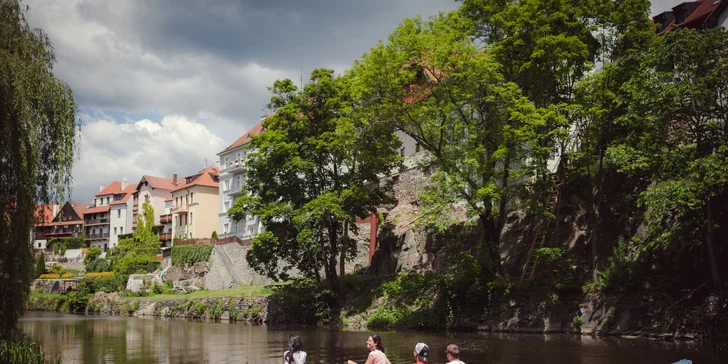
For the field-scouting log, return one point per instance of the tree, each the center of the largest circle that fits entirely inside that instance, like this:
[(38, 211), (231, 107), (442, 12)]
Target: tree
[(679, 105), (38, 129), (442, 89), (91, 255), (314, 169), (214, 234), (40, 265), (137, 252)]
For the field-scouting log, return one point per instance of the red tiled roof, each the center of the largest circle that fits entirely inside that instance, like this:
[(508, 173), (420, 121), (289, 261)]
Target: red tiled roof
[(45, 213), (79, 208), (702, 12), (94, 210), (204, 179), (128, 191), (62, 223), (246, 137), (113, 189)]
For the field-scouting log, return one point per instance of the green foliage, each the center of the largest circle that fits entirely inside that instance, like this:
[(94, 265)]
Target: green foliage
[(91, 255), (40, 265), (98, 265), (188, 255), (577, 322), (622, 272), (311, 302), (107, 284), (144, 241), (24, 351), (307, 174), (214, 234), (60, 245)]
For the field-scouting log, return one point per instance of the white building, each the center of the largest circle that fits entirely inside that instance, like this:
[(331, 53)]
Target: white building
[(155, 190), (232, 176), (98, 217)]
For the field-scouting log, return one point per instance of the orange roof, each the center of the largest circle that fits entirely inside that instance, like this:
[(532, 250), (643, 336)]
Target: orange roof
[(246, 137), (129, 190), (113, 189), (94, 210), (168, 198), (204, 179), (78, 207), (45, 213)]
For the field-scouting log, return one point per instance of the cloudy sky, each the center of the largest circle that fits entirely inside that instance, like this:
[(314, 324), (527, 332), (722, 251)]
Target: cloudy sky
[(164, 85)]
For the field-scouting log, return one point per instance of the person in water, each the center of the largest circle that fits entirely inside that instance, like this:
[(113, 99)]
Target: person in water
[(376, 351), (421, 353), (453, 354), (295, 353)]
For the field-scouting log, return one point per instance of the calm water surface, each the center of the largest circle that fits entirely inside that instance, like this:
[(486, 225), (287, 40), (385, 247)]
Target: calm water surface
[(121, 339)]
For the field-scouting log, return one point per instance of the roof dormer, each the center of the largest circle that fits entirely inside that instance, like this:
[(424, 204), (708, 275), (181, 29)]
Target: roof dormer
[(683, 11)]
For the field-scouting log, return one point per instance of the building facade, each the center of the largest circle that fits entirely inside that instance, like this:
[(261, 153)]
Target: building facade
[(111, 204), (194, 205), (58, 222), (232, 177), (699, 15)]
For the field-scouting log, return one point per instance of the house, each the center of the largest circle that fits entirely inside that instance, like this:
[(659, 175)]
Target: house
[(194, 205), (699, 14), (232, 176), (156, 191), (165, 234), (58, 222), (98, 217), (121, 211)]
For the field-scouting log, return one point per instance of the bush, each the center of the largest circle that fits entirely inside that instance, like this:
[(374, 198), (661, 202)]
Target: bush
[(187, 255), (214, 234), (60, 245), (91, 254), (40, 265), (49, 276), (23, 351), (107, 283), (98, 265), (99, 274), (622, 271), (67, 275), (307, 301)]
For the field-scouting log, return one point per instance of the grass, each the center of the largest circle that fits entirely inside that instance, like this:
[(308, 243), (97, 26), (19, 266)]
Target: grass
[(242, 290), (44, 295)]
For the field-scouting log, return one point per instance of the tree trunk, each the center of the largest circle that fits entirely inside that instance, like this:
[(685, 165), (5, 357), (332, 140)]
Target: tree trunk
[(717, 283), (594, 223), (342, 257), (491, 237), (331, 276)]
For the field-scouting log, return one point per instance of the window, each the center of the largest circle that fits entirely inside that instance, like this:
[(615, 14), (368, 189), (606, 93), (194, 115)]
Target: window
[(192, 219), (118, 213), (186, 220), (114, 230), (227, 161), (38, 245), (225, 228), (187, 199), (192, 197), (227, 206), (121, 230), (105, 247), (93, 231)]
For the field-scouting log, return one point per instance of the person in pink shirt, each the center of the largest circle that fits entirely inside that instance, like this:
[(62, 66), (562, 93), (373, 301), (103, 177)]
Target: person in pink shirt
[(376, 351)]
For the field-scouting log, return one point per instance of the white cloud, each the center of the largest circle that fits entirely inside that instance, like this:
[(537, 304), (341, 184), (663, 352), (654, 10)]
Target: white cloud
[(110, 151)]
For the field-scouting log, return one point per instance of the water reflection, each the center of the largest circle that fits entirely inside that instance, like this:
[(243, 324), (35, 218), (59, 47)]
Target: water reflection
[(114, 339)]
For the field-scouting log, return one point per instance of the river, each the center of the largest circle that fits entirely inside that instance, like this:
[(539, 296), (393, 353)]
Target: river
[(122, 339)]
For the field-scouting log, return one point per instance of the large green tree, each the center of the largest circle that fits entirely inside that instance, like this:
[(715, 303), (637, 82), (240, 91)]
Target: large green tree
[(314, 169), (137, 252), (38, 129), (679, 114), (433, 82)]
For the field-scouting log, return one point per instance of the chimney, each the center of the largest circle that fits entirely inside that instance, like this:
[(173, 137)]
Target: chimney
[(101, 188), (123, 183), (174, 179)]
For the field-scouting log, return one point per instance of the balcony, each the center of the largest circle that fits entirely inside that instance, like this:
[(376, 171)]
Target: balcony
[(235, 167), (56, 234), (179, 209), (165, 236), (165, 219), (97, 236), (96, 222)]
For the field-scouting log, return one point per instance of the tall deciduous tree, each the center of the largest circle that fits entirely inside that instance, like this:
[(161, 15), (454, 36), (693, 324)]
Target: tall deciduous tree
[(314, 169), (442, 89), (679, 103), (37, 143)]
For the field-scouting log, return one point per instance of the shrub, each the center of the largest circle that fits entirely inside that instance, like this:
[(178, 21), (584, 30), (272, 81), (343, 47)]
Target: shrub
[(91, 254), (310, 302), (49, 276), (40, 265), (67, 275), (622, 271), (98, 265), (106, 283), (23, 351), (99, 274), (214, 234), (187, 255)]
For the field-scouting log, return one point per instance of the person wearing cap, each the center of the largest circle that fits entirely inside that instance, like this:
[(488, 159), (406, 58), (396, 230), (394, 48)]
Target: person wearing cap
[(453, 354), (421, 353)]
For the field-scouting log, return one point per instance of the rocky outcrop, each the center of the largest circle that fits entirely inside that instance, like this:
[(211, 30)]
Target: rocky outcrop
[(143, 283)]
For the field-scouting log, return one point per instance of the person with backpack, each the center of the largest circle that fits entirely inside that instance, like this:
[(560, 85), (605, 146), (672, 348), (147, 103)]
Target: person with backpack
[(295, 353)]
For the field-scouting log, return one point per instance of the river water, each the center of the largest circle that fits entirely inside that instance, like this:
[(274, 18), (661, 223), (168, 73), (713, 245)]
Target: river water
[(122, 339)]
